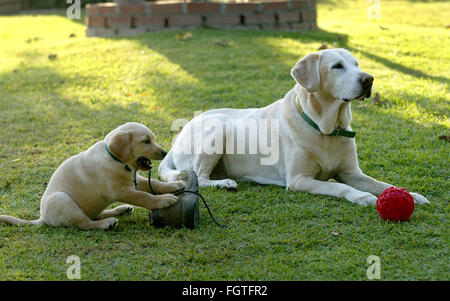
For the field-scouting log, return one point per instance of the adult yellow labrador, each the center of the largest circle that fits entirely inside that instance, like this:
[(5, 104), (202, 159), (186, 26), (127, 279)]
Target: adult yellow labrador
[(309, 131), (85, 184)]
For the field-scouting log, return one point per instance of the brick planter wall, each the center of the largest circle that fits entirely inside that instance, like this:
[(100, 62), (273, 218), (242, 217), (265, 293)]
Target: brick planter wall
[(111, 19), (13, 6)]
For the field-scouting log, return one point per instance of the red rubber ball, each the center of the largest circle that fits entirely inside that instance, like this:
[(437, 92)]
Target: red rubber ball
[(395, 204)]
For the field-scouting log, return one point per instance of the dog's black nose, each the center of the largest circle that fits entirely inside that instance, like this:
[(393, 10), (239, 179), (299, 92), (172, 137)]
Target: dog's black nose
[(366, 80), (163, 153)]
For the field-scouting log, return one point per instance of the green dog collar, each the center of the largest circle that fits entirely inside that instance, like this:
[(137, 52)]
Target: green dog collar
[(337, 132), (115, 158), (112, 155)]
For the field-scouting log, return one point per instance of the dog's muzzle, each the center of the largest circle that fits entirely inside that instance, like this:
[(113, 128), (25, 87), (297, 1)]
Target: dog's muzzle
[(366, 84)]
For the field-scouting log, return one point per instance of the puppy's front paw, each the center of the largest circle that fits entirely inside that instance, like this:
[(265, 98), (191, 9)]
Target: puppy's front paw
[(166, 200), (419, 199), (364, 199), (178, 185)]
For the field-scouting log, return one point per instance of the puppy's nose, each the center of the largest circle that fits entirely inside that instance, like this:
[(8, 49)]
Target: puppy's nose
[(366, 80), (163, 153)]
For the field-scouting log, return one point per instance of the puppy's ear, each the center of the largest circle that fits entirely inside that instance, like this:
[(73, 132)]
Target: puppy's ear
[(120, 145), (306, 72)]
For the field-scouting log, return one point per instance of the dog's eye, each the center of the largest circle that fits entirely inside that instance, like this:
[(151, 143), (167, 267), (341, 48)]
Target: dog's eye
[(338, 66), (146, 141)]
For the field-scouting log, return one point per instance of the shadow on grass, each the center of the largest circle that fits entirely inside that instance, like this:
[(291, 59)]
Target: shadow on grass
[(222, 70), (39, 114), (308, 37), (375, 120), (399, 67), (39, 120), (280, 59), (245, 70)]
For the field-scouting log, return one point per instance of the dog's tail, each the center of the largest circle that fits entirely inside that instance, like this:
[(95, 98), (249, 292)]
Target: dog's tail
[(19, 222), (167, 170)]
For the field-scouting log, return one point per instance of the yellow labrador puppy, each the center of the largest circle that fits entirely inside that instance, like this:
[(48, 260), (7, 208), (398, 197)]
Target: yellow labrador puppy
[(85, 184), (309, 131)]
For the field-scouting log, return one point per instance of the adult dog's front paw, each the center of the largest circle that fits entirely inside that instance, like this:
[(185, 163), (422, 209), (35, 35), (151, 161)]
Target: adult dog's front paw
[(363, 199), (228, 185), (108, 223), (419, 199), (124, 209), (182, 175), (165, 200)]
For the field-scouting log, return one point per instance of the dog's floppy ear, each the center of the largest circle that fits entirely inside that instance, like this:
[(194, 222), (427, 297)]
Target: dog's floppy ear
[(120, 145), (306, 72)]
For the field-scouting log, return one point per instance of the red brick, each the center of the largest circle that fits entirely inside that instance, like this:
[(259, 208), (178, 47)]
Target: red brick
[(274, 5), (203, 7), (168, 1), (100, 32), (91, 10), (259, 19), (300, 26), (251, 19), (95, 22), (118, 21), (132, 9), (267, 18), (299, 4), (312, 26), (242, 7), (106, 9), (223, 20), (309, 15), (122, 32), (284, 17), (172, 8), (185, 20), (149, 21), (275, 27)]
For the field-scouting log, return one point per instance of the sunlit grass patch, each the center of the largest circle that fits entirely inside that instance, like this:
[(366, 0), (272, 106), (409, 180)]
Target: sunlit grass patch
[(51, 109)]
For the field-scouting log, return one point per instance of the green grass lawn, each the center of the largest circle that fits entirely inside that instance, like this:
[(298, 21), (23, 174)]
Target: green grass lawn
[(53, 109)]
